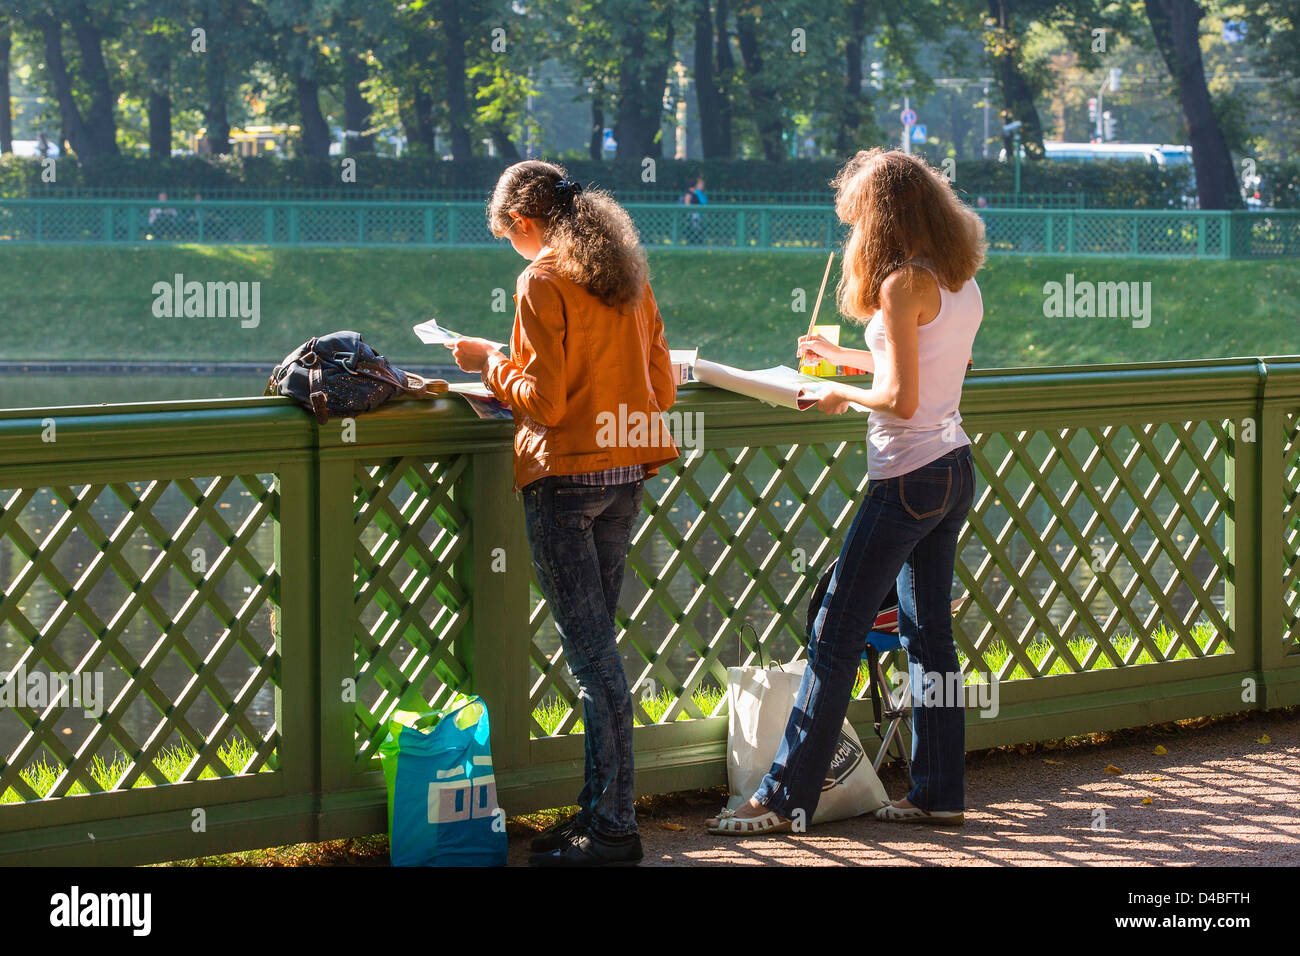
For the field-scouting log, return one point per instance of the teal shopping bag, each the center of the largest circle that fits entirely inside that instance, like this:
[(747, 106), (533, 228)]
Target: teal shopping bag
[(442, 794)]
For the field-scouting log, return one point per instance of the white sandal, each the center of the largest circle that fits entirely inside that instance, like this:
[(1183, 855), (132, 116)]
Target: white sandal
[(731, 825), (894, 814)]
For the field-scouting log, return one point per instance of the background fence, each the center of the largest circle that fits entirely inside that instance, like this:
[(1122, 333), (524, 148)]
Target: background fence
[(1048, 231), (1074, 200), (258, 594)]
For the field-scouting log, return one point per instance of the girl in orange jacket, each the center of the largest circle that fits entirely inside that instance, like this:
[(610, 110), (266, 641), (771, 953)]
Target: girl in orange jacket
[(587, 378)]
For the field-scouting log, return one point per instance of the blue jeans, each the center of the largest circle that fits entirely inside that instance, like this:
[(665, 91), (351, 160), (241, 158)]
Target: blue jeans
[(905, 532), (579, 535)]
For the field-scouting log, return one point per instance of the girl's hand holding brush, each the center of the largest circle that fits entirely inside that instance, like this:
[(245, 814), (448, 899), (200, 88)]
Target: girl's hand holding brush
[(819, 347)]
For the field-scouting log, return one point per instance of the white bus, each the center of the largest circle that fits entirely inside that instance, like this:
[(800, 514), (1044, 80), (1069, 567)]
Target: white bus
[(1157, 154)]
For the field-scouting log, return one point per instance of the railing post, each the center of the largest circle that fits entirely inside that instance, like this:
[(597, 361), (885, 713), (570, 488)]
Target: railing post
[(1271, 463), (1241, 535), (1229, 226), (335, 596), (497, 570), (268, 224), (452, 230), (764, 229), (297, 627), (428, 225), (740, 229)]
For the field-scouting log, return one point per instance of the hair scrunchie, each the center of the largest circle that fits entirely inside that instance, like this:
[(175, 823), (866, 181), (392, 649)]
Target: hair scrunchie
[(566, 190)]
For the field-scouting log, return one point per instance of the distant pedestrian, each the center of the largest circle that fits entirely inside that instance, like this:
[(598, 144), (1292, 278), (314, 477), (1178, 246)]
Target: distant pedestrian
[(163, 220), (695, 196)]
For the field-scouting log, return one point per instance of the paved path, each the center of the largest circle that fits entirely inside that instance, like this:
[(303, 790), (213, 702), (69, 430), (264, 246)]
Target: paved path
[(1219, 795)]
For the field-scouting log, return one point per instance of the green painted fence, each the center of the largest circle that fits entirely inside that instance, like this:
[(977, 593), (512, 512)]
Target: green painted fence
[(1066, 232), (343, 193), (257, 593)]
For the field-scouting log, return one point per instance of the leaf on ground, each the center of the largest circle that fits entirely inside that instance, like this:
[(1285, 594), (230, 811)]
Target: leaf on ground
[(1146, 801), (1160, 750), (1111, 768), (1264, 740), (671, 826), (1057, 762)]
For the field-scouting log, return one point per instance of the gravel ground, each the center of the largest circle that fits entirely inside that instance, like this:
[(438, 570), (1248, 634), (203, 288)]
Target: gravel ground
[(1207, 792)]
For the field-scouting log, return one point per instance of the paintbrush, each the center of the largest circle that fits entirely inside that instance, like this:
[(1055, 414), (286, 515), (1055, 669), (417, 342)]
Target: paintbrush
[(820, 292)]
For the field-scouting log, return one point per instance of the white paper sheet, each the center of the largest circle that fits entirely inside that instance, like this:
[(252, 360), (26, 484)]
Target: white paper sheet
[(431, 333)]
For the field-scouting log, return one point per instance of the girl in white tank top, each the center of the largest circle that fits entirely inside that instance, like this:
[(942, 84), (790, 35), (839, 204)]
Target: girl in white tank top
[(921, 488), (897, 445)]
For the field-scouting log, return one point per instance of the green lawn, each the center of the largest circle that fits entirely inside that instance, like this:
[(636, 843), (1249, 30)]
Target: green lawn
[(97, 302)]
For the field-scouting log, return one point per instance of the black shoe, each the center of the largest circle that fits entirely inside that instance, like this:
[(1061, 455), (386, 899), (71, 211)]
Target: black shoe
[(558, 834), (589, 849)]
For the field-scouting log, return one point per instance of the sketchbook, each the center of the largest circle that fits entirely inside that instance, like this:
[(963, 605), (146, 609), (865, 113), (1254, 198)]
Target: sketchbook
[(779, 385), (481, 400)]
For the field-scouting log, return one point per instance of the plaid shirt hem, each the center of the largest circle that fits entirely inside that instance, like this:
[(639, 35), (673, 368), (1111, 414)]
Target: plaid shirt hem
[(610, 476)]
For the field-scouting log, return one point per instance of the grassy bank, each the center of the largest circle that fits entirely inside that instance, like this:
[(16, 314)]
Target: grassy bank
[(91, 302)]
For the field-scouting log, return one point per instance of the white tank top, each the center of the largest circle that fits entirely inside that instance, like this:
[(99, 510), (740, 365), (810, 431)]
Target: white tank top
[(896, 445)]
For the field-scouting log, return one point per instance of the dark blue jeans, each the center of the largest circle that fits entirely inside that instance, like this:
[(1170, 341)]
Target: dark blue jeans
[(579, 535), (905, 532)]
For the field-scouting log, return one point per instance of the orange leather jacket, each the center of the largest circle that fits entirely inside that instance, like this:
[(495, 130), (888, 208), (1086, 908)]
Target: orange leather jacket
[(586, 381)]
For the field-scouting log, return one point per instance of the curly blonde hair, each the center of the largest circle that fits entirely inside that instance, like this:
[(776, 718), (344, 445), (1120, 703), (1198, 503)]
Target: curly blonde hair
[(900, 208), (595, 241)]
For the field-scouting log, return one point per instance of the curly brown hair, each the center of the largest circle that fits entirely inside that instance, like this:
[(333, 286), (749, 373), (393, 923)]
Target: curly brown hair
[(595, 241), (900, 208)]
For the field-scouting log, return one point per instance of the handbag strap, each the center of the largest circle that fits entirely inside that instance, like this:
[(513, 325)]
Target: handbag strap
[(758, 644)]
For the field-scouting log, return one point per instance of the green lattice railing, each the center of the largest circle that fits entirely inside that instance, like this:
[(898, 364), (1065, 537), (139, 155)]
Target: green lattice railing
[(1047, 231), (258, 604)]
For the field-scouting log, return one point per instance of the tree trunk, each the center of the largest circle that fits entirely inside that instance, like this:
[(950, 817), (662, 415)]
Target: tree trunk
[(417, 118), (1176, 26), (356, 108), (1017, 95), (642, 77), (216, 119), (100, 127), (848, 139), (158, 62), (960, 116), (767, 113), (72, 127), (596, 145), (454, 64), (6, 114), (726, 72), (505, 146), (315, 131), (715, 121)]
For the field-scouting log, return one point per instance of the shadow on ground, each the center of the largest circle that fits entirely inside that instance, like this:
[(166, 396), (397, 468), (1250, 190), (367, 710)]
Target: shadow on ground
[(1211, 791)]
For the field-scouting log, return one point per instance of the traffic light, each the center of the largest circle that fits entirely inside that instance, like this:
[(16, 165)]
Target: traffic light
[(1092, 111), (1108, 126)]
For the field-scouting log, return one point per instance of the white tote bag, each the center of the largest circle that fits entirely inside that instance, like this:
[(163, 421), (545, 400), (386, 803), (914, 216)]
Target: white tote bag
[(759, 702)]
